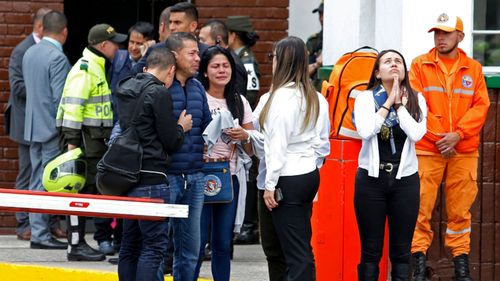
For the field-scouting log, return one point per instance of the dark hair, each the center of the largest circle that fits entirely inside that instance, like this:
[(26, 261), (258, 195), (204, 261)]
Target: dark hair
[(374, 82), (145, 28), (292, 66), (175, 41), (248, 38), (233, 98), (165, 15), (40, 14), (54, 22), (218, 29), (186, 7), (161, 58)]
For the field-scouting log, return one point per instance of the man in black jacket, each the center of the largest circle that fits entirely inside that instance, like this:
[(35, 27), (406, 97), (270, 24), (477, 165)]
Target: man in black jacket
[(144, 243)]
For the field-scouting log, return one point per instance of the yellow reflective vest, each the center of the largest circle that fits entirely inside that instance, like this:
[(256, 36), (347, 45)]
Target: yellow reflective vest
[(86, 98)]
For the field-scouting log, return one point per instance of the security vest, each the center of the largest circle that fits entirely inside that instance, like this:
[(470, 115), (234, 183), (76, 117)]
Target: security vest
[(86, 98), (457, 100)]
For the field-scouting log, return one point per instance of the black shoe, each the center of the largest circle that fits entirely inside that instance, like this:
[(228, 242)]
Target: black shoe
[(167, 266), (113, 261), (249, 235), (83, 252), (51, 244), (419, 267), (462, 268)]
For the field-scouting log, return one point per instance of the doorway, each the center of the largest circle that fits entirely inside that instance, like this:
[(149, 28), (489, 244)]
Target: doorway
[(121, 14)]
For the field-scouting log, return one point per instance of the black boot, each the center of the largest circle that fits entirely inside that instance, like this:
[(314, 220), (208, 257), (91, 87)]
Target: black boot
[(400, 272), (78, 249), (462, 268), (83, 252), (419, 267), (368, 272)]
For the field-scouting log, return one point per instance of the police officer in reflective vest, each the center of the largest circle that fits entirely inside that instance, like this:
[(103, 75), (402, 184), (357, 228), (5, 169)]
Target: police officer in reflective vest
[(85, 120)]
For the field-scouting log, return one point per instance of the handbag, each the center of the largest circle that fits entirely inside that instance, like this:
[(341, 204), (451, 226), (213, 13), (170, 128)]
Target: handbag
[(119, 169), (217, 182)]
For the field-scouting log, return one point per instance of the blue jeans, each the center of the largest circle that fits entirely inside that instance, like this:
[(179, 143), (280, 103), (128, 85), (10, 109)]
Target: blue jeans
[(144, 243), (186, 189), (217, 224)]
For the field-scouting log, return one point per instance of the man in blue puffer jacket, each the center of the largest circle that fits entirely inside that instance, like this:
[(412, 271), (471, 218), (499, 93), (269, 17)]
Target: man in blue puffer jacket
[(184, 173)]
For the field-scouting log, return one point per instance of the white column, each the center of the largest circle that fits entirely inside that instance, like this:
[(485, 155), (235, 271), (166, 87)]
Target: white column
[(302, 22)]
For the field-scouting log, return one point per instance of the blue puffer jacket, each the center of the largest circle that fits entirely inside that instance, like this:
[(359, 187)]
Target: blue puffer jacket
[(192, 97)]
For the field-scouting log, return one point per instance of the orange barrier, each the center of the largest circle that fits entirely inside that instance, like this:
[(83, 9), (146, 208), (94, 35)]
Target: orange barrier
[(335, 233)]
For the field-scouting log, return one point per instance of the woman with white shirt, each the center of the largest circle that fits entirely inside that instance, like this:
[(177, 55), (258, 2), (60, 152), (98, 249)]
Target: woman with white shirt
[(288, 123), (390, 117)]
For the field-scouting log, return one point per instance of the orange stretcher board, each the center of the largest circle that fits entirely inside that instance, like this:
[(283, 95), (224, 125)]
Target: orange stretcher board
[(89, 205)]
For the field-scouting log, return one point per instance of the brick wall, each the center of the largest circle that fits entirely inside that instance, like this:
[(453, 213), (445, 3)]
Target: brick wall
[(269, 18), (16, 19)]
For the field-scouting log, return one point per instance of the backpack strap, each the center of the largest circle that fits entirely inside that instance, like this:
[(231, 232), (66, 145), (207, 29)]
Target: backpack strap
[(139, 103), (366, 48)]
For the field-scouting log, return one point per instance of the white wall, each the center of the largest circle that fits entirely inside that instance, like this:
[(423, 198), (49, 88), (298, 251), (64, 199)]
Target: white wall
[(384, 24), (341, 28), (418, 19), (302, 22)]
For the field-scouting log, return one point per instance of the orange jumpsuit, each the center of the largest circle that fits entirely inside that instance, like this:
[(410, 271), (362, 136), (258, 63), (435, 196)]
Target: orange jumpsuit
[(457, 101)]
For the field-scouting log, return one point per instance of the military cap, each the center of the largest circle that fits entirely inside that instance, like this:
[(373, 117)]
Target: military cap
[(239, 23)]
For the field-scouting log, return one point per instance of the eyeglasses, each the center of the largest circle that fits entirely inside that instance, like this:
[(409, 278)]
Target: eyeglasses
[(270, 56)]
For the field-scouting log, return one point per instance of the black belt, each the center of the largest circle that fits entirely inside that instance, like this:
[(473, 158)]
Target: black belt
[(388, 167)]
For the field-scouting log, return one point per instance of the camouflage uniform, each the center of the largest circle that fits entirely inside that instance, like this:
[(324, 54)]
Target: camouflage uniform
[(314, 46), (252, 66)]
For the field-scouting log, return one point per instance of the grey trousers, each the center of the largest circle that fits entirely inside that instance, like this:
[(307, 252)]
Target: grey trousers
[(41, 154)]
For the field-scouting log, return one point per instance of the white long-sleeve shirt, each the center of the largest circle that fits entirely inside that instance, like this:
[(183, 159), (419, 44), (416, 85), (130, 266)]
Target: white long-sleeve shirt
[(321, 147), (368, 124), (289, 150)]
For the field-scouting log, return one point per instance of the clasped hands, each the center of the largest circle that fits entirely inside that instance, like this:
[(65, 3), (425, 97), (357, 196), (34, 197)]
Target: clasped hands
[(446, 145), (398, 94)]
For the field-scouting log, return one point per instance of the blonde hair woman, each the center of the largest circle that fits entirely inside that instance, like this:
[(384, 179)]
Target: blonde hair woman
[(288, 123)]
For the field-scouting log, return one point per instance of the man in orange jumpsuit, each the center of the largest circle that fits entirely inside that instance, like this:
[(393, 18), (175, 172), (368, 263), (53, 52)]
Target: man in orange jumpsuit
[(457, 99)]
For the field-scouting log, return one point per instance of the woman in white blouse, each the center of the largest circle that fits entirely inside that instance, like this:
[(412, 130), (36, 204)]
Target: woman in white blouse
[(390, 117), (288, 123)]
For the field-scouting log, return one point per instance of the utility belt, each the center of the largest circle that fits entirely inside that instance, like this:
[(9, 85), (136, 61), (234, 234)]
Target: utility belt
[(388, 167)]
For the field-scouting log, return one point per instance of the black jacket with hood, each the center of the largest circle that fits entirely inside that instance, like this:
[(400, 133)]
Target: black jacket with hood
[(159, 133)]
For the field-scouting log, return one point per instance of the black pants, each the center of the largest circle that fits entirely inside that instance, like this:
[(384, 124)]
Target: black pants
[(292, 222), (104, 231), (376, 199), (276, 264)]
